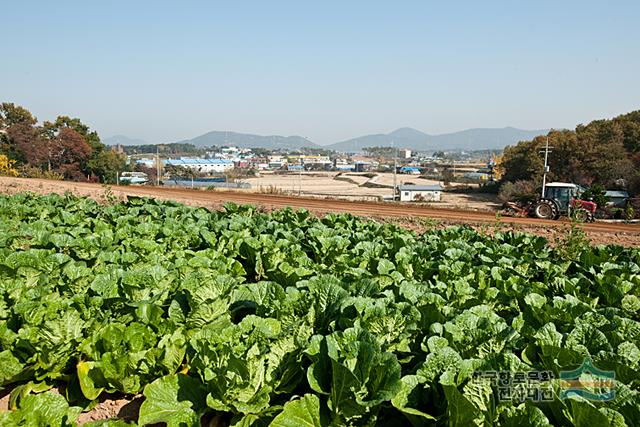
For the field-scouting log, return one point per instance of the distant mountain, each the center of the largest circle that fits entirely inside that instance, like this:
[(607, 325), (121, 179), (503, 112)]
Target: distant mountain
[(245, 140), (402, 138), (123, 140), (470, 139), (483, 138)]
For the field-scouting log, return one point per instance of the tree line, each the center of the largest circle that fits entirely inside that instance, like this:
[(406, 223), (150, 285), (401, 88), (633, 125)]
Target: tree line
[(173, 148), (603, 152), (64, 148)]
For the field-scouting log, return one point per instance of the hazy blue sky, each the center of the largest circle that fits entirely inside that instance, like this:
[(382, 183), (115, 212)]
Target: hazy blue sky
[(327, 70)]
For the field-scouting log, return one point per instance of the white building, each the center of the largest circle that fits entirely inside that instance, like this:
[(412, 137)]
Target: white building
[(405, 153), (134, 177), (310, 160), (201, 165), (149, 163), (277, 161), (420, 193)]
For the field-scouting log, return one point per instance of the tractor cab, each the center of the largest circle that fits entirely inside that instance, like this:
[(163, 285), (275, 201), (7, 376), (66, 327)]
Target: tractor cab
[(563, 193), (562, 198)]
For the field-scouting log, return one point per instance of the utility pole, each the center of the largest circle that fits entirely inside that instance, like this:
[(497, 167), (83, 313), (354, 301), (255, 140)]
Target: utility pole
[(300, 176), (258, 174), (546, 166), (395, 170), (158, 166)]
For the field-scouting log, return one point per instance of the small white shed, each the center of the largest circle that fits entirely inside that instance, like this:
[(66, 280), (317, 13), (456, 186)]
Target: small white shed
[(420, 193)]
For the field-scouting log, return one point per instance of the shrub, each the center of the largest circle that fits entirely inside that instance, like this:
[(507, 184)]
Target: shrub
[(31, 172), (518, 191), (7, 166), (597, 192)]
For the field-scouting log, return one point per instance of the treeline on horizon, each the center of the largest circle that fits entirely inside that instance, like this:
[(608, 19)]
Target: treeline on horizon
[(178, 148), (170, 148), (65, 148)]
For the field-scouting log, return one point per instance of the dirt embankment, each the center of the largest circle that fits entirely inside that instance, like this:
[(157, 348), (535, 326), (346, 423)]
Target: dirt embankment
[(410, 215)]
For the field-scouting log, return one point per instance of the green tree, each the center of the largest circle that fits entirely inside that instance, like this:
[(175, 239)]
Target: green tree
[(91, 137), (107, 164), (176, 171), (11, 114), (598, 193), (380, 152), (521, 162)]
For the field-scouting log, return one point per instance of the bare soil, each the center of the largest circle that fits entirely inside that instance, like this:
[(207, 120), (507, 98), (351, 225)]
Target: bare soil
[(407, 214), (112, 408), (356, 186), (109, 407)]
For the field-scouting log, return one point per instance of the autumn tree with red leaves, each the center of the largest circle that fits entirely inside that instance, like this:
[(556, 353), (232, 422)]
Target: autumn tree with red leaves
[(69, 153), (65, 146), (25, 144)]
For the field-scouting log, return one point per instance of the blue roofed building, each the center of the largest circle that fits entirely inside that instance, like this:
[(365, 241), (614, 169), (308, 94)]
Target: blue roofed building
[(410, 170)]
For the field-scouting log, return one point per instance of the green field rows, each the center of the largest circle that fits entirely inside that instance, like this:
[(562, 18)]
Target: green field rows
[(286, 319)]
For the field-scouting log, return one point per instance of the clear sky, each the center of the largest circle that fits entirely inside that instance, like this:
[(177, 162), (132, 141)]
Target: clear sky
[(327, 70)]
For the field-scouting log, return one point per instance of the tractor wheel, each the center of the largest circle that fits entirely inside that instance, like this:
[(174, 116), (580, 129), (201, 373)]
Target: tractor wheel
[(583, 215), (546, 209)]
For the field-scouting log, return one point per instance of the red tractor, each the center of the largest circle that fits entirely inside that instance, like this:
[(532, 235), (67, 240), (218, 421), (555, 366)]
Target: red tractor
[(560, 199)]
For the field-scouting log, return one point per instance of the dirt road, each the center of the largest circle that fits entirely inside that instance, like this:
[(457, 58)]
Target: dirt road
[(626, 234)]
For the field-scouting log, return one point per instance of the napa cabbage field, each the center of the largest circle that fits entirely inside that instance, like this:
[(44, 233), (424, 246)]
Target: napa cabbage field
[(246, 318)]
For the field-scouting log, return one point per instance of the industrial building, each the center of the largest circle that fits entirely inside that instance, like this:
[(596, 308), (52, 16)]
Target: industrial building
[(201, 165)]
